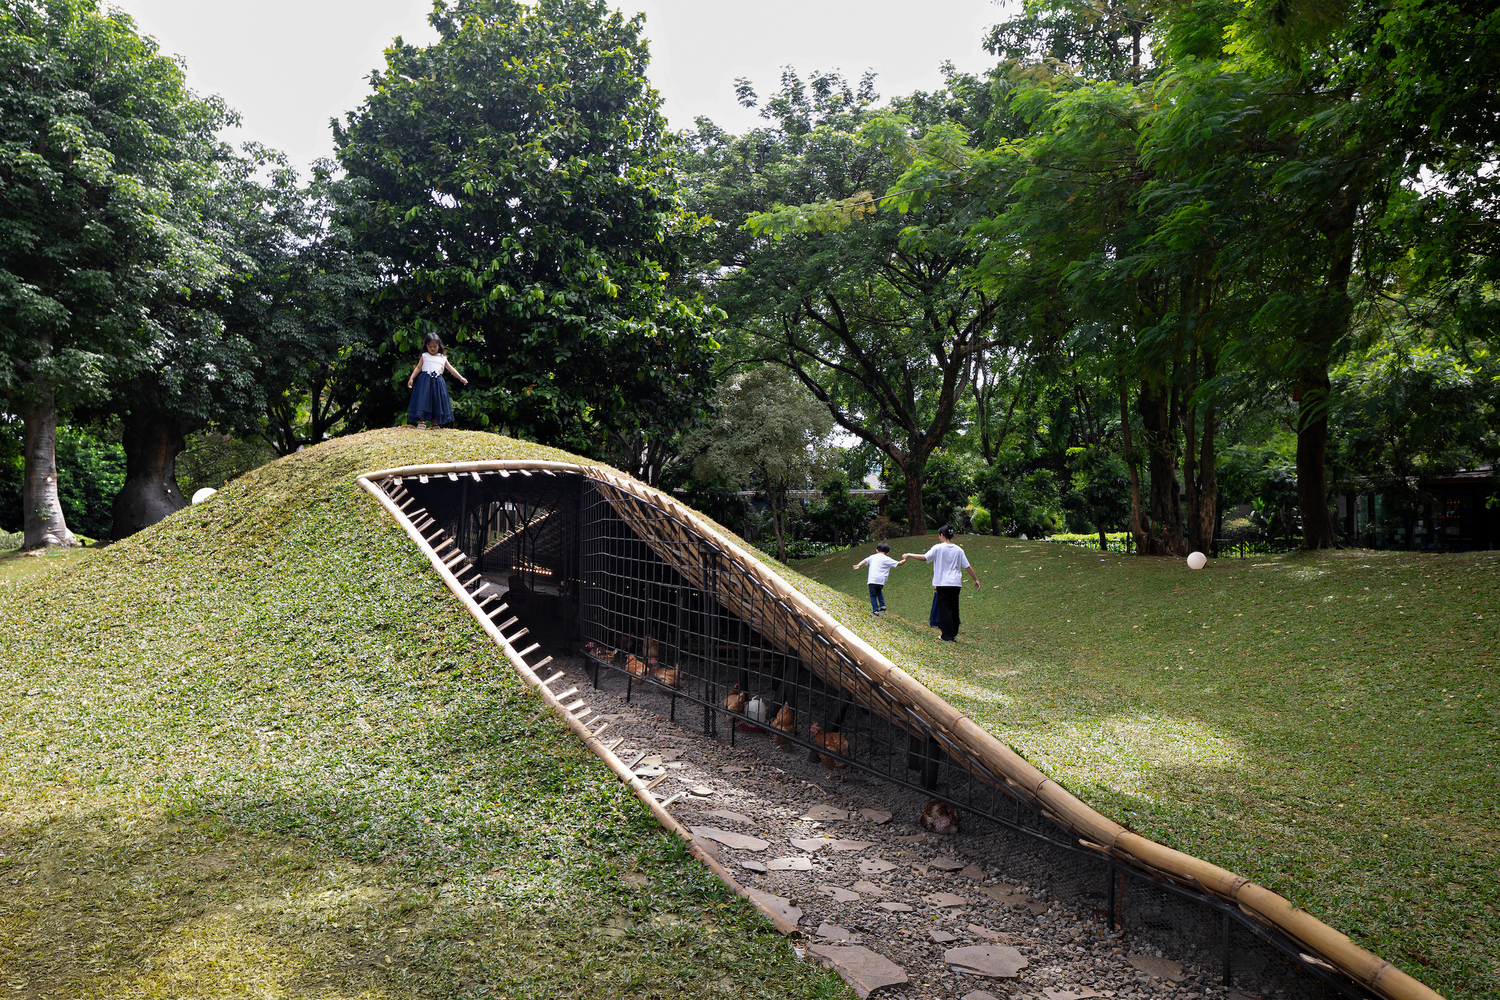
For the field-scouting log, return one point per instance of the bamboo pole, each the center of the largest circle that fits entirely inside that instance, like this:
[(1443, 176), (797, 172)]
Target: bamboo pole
[(1092, 828)]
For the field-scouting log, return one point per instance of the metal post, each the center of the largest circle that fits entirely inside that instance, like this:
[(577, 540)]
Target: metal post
[(1226, 949), (1113, 918)]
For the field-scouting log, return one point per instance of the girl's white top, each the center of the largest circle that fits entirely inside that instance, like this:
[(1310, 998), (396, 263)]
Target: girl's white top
[(948, 564), (434, 363), (880, 567)]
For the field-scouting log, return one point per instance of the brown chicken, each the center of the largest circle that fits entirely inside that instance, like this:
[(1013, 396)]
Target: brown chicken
[(635, 665), (939, 817), (669, 676), (736, 700), (786, 721), (833, 743)]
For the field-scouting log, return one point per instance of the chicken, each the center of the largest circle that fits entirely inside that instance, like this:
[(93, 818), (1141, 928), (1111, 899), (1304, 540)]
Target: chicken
[(737, 700), (939, 817), (670, 676), (635, 665), (833, 743), (786, 721)]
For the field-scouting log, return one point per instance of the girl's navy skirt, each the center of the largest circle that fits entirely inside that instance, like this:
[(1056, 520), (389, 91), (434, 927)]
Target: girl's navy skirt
[(429, 400)]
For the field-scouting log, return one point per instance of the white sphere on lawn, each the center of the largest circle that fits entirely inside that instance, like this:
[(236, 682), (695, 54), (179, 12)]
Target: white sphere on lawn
[(204, 494), (1197, 560)]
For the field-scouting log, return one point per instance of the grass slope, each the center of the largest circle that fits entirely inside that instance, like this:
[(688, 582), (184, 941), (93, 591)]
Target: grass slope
[(259, 750), (1326, 725)]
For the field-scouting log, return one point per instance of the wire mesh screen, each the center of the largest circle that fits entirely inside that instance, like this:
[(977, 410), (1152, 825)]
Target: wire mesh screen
[(653, 599)]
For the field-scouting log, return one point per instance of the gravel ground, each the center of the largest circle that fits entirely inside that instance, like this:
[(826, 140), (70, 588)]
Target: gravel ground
[(762, 791)]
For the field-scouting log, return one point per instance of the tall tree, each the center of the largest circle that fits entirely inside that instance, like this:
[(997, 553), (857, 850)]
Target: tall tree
[(301, 293), (517, 175), (867, 308), (101, 143), (767, 433)]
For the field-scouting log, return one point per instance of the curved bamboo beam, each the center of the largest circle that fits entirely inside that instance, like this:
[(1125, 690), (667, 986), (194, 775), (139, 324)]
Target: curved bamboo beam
[(1093, 829)]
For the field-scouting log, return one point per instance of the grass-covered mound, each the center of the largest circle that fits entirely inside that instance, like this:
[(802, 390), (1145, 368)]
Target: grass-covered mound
[(259, 750), (1325, 725)]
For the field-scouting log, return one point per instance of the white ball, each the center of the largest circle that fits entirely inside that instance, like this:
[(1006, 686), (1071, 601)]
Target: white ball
[(1197, 560), (204, 494)]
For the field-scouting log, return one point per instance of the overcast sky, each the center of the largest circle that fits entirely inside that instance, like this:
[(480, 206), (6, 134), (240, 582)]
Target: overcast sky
[(287, 66)]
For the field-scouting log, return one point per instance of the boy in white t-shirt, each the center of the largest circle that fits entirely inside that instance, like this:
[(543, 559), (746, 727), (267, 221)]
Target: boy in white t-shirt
[(880, 565)]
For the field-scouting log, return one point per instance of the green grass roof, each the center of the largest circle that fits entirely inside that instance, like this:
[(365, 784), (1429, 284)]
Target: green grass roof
[(258, 748)]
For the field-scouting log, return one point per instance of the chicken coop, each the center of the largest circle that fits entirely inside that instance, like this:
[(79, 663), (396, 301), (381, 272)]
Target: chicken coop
[(575, 560)]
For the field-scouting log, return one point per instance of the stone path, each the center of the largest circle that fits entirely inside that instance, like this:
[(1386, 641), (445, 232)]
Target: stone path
[(900, 913)]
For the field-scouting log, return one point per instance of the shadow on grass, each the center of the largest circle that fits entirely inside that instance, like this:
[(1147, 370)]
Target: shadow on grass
[(104, 901)]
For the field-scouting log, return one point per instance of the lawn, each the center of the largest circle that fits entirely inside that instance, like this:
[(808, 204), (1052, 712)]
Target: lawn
[(1323, 724), (259, 750)]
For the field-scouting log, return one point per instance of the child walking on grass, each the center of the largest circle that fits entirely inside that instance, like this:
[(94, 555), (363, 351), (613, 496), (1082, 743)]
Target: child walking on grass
[(429, 400), (880, 565)]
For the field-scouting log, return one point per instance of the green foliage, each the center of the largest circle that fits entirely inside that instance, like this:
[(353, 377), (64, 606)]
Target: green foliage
[(1106, 40), (1116, 540), (1019, 501), (1407, 411), (1101, 486), (767, 433), (89, 474), (517, 176), (948, 486), (104, 153), (838, 518), (301, 293), (866, 305), (90, 471), (798, 548), (212, 459)]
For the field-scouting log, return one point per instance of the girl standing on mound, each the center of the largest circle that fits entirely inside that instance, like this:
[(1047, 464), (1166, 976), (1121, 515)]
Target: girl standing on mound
[(429, 400)]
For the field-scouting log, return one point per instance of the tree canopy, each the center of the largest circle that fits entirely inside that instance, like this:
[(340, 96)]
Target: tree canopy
[(516, 175)]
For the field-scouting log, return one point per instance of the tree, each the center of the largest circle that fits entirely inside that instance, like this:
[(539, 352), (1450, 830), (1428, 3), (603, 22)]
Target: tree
[(517, 176), (102, 146), (301, 292), (767, 433), (1097, 40), (867, 308)]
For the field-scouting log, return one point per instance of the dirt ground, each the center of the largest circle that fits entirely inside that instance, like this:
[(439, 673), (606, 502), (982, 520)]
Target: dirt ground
[(879, 881)]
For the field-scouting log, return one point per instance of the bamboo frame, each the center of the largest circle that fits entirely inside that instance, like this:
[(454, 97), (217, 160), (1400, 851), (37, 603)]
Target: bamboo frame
[(1093, 830)]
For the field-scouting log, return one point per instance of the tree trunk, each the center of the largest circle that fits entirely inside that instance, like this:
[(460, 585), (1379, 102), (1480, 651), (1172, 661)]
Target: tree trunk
[(43, 514), (916, 514), (1132, 466), (152, 442), (778, 520), (1202, 481), (1165, 537), (1312, 452)]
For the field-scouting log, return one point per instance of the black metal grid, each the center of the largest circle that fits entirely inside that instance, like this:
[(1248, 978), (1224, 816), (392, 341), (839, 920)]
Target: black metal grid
[(663, 605)]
